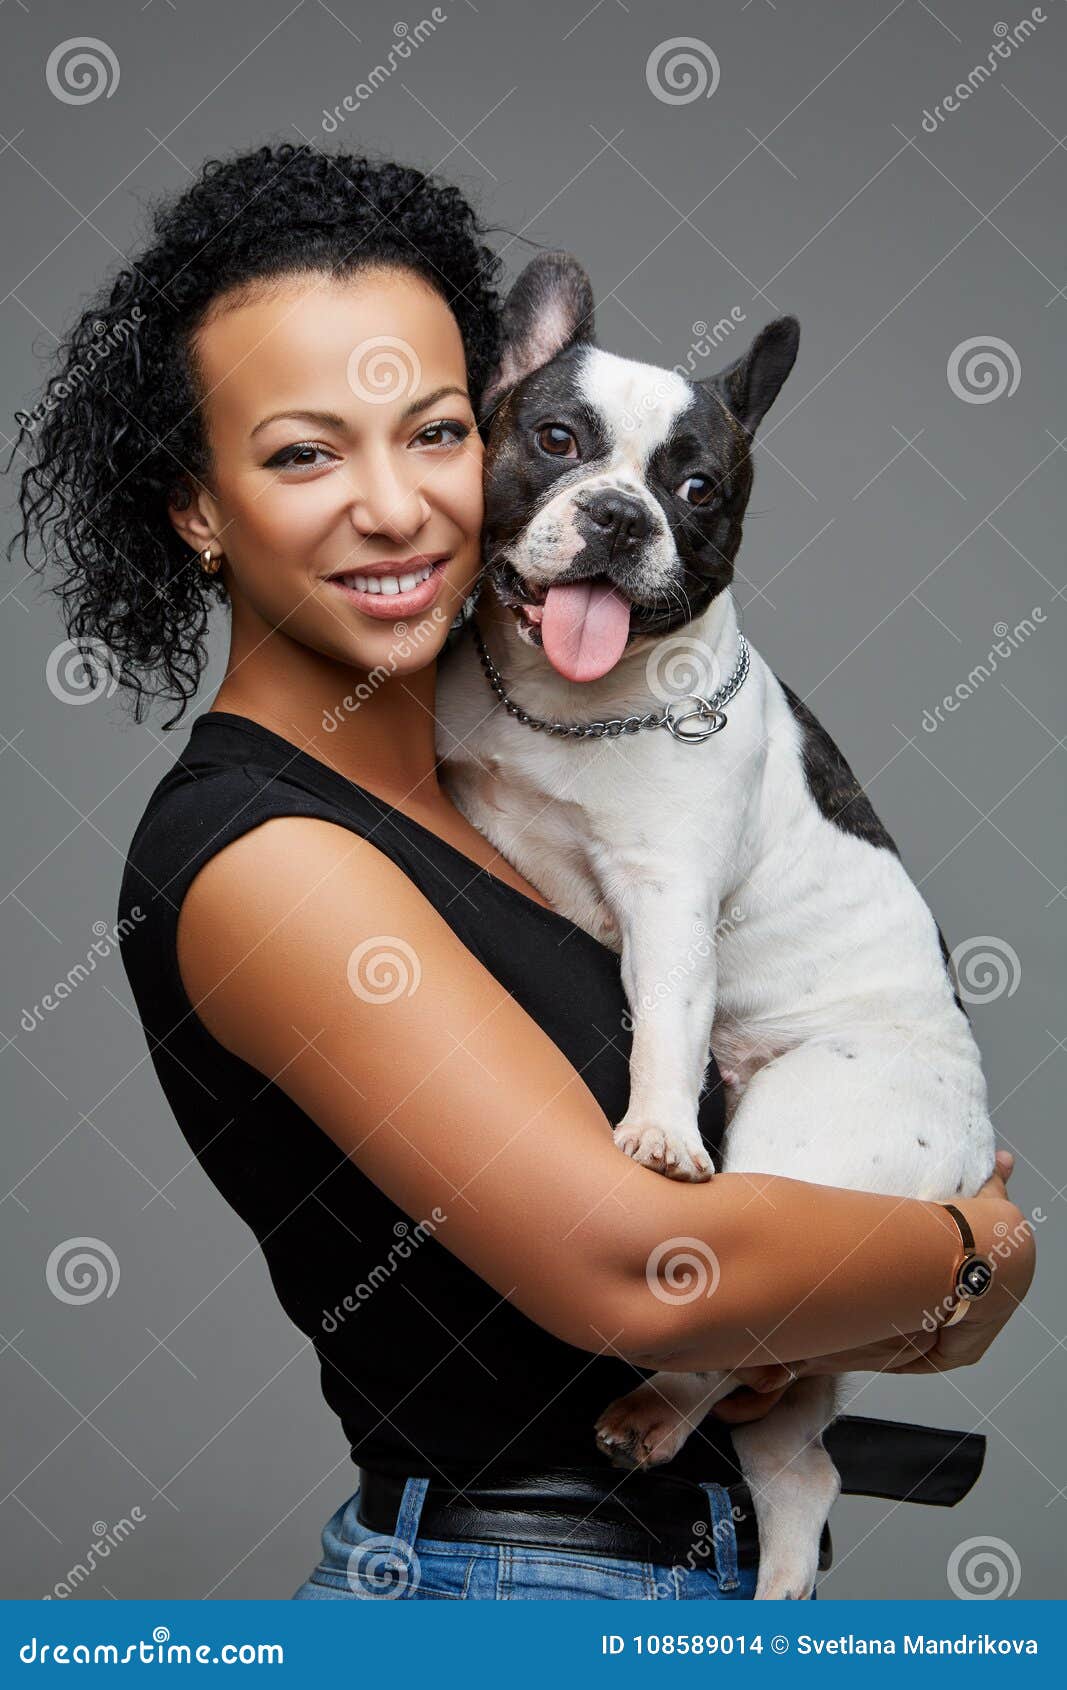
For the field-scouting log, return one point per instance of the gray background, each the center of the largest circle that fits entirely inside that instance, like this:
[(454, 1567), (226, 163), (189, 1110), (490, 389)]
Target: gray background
[(894, 525)]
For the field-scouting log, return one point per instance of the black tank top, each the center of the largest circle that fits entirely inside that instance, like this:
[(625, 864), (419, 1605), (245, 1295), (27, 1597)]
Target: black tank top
[(428, 1369)]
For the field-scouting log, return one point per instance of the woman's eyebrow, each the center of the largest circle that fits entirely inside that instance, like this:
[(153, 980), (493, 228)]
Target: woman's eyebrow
[(330, 419), (327, 419), (429, 399)]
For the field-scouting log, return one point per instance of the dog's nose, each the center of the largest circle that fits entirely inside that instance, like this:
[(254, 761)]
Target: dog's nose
[(625, 518)]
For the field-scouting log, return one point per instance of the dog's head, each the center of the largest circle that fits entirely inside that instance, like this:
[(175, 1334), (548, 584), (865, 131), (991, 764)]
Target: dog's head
[(615, 491)]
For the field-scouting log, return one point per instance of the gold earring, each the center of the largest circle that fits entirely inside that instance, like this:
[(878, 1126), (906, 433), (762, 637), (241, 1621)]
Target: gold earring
[(209, 566)]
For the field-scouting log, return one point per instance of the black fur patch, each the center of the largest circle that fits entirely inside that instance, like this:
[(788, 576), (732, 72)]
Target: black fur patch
[(837, 793), (842, 800)]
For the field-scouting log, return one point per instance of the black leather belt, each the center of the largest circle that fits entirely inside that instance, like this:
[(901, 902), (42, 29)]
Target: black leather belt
[(662, 1517), (627, 1516)]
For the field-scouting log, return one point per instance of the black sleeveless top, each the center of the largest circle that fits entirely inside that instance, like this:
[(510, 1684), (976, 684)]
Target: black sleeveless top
[(429, 1371)]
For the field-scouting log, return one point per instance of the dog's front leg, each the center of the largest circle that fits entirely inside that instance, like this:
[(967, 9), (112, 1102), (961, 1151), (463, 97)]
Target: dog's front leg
[(669, 976)]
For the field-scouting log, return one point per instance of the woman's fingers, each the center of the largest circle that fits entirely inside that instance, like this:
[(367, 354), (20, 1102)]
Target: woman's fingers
[(997, 1183)]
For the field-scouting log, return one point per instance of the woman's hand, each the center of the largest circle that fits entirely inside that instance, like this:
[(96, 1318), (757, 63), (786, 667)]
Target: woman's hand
[(1002, 1233), (933, 1350)]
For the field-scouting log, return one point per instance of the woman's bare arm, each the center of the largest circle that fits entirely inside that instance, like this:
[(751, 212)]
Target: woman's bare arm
[(450, 1097)]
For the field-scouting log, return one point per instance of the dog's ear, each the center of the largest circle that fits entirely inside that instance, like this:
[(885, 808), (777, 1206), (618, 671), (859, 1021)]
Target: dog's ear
[(549, 308), (751, 384)]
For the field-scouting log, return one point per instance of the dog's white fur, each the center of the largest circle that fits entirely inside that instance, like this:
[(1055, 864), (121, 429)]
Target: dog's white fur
[(740, 911)]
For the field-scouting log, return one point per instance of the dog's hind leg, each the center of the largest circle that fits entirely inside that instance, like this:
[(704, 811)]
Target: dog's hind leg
[(794, 1485)]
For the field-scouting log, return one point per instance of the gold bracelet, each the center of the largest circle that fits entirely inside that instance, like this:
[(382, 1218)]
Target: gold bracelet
[(973, 1275)]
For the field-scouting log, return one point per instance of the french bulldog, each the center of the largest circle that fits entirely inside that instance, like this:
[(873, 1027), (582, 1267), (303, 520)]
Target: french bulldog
[(640, 764)]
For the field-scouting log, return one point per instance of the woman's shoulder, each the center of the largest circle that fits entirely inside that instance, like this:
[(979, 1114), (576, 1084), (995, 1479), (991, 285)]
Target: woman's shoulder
[(229, 779)]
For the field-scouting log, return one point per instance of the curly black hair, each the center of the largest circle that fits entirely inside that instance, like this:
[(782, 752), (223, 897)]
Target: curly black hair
[(119, 424)]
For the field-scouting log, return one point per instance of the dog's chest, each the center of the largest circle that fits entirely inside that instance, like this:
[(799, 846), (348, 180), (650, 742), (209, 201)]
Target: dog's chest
[(583, 821)]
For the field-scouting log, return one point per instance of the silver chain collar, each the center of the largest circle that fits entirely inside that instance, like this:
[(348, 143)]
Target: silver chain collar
[(707, 712)]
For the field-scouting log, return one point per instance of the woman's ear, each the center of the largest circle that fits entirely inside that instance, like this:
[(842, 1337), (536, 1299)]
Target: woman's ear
[(192, 512), (549, 308)]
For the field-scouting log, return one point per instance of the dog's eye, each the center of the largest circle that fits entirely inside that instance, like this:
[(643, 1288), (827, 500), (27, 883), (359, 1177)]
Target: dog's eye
[(557, 441), (696, 490)]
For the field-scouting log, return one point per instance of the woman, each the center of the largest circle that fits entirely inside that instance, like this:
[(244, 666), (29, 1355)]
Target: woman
[(360, 1014)]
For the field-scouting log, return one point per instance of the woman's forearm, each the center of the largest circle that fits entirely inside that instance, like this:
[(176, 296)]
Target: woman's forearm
[(753, 1269)]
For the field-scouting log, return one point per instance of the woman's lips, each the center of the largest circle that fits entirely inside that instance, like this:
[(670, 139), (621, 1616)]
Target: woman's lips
[(391, 607)]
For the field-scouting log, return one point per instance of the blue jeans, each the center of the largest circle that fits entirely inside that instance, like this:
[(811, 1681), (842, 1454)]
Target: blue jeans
[(357, 1562)]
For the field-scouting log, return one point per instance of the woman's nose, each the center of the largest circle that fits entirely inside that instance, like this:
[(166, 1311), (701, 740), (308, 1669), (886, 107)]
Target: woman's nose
[(389, 504)]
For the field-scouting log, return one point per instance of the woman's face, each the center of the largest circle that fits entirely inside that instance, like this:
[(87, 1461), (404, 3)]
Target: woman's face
[(346, 482)]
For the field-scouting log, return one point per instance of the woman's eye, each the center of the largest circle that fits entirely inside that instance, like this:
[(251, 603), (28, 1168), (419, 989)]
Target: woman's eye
[(557, 441), (696, 490), (300, 456), (442, 434)]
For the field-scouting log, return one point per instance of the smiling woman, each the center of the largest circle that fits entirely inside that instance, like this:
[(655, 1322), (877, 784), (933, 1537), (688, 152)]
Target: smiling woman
[(361, 1014)]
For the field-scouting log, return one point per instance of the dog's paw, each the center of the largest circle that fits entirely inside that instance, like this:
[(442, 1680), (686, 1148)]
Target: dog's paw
[(676, 1155), (793, 1582), (641, 1429)]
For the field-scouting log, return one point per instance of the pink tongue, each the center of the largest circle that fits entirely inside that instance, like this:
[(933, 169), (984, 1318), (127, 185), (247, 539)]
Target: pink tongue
[(584, 628)]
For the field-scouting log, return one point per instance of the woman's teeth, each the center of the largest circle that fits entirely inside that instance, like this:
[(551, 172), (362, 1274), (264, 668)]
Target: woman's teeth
[(388, 583)]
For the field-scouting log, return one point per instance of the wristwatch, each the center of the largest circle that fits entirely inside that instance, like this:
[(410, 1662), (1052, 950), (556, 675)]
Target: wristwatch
[(974, 1274)]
